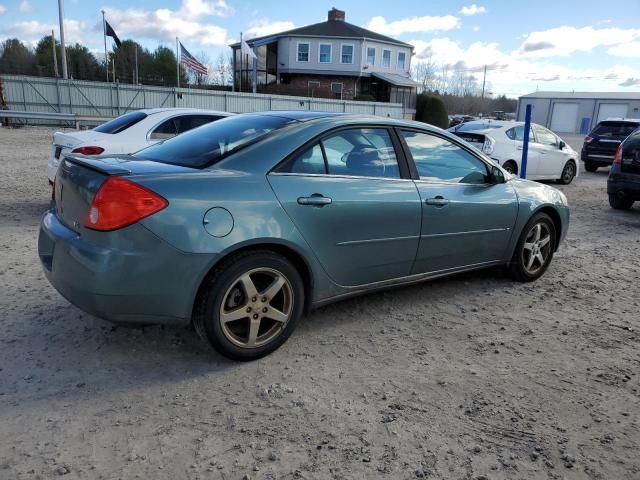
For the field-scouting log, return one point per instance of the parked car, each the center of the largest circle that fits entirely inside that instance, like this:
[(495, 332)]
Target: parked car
[(128, 133), (456, 120), (549, 157), (239, 225), (623, 184), (600, 145)]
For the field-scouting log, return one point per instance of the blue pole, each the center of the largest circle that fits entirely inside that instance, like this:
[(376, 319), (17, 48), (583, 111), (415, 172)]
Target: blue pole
[(525, 143)]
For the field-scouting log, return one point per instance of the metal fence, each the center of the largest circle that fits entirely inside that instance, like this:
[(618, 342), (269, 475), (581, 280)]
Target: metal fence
[(108, 100)]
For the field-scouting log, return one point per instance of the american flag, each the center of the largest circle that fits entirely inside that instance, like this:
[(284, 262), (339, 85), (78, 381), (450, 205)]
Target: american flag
[(190, 61)]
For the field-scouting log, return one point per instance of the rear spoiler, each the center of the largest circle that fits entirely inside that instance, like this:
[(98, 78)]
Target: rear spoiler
[(111, 165)]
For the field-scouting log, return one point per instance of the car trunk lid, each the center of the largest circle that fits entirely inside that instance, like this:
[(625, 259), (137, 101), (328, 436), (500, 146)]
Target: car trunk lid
[(473, 138), (79, 178)]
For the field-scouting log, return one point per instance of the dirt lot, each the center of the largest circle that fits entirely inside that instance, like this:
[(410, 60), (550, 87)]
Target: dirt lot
[(470, 377)]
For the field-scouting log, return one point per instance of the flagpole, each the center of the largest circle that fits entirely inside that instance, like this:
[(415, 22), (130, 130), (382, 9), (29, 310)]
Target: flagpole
[(104, 34), (136, 52), (177, 62), (241, 64), (55, 55), (64, 53)]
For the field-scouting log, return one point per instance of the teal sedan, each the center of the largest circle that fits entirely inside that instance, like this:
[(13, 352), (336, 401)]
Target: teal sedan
[(241, 225)]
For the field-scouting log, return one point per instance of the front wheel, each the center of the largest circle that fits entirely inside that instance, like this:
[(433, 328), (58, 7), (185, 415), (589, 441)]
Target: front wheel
[(620, 201), (249, 305), (568, 173), (534, 250)]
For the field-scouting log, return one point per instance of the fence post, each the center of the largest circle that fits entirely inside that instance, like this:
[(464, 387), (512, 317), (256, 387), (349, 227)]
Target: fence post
[(24, 97), (374, 108), (344, 107), (118, 95), (226, 105), (58, 94), (144, 97)]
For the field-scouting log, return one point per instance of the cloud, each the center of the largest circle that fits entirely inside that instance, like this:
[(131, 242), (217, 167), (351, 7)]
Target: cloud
[(25, 7), (31, 31), (3, 9), (165, 25), (628, 49), (263, 27), (551, 78), (472, 9), (476, 28), (565, 40), (630, 82), (413, 24)]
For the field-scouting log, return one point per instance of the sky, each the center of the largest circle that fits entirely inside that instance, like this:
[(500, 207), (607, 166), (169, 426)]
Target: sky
[(541, 45)]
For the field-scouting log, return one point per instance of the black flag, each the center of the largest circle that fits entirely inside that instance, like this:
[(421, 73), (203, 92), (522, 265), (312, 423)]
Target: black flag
[(110, 32)]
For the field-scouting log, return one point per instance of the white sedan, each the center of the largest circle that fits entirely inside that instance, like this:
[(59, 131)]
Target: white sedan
[(128, 133), (549, 157)]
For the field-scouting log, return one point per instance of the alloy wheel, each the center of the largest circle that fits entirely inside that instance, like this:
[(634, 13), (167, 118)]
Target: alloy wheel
[(536, 248), (568, 173), (256, 308)]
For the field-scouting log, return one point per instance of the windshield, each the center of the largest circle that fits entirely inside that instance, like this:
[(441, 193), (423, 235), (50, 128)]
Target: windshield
[(121, 123), (204, 146), (614, 129)]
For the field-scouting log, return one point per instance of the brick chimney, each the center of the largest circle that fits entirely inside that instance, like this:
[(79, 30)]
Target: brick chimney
[(336, 15)]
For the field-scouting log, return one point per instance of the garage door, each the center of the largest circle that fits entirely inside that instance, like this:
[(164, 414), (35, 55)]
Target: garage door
[(564, 118), (612, 110)]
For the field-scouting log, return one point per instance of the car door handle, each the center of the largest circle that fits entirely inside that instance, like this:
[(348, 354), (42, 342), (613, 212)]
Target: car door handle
[(437, 201), (518, 148), (315, 200)]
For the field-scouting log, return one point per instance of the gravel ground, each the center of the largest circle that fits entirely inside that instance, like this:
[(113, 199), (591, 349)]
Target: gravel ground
[(471, 377)]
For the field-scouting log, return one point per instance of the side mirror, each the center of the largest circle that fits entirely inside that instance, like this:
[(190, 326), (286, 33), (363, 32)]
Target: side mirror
[(496, 176), (561, 145)]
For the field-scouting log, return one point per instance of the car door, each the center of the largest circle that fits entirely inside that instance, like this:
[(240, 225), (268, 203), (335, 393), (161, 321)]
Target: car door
[(552, 158), (467, 219), (354, 204), (533, 156)]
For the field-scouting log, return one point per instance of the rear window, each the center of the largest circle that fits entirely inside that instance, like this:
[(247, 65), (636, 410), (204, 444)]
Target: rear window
[(206, 145), (614, 129), (470, 126), (121, 123)]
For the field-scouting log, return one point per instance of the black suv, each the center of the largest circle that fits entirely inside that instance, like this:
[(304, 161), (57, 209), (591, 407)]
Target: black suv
[(623, 185), (602, 142)]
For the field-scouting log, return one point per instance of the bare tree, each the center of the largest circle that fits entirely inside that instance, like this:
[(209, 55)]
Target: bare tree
[(425, 74)]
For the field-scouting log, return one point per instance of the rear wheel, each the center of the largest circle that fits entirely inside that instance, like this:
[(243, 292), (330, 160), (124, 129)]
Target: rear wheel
[(534, 250), (568, 173), (249, 306), (511, 167), (620, 201), (590, 166)]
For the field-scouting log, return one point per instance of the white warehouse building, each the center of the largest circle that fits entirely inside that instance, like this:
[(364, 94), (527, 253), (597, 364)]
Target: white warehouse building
[(578, 112)]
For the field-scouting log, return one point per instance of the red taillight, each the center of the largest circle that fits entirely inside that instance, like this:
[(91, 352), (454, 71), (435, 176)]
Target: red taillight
[(88, 150), (119, 203), (617, 160), (588, 139)]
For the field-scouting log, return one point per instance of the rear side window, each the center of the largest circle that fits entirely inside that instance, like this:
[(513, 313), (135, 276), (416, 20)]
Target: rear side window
[(614, 129), (201, 147), (121, 123), (517, 133), (166, 129), (189, 122)]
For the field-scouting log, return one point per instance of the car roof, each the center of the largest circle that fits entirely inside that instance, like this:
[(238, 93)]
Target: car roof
[(169, 110), (621, 120)]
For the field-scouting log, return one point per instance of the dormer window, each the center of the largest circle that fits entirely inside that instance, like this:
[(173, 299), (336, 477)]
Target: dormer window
[(303, 52)]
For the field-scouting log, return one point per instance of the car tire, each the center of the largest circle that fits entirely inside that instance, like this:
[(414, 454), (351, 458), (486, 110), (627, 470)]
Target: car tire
[(260, 293), (620, 201), (511, 167), (532, 243), (568, 173), (590, 166)]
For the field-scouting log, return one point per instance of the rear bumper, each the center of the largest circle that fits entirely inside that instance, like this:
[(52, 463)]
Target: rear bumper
[(620, 182), (139, 278), (600, 159)]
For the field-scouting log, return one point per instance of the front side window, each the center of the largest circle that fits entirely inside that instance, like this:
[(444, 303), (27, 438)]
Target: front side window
[(386, 58), (361, 152), (371, 56), (347, 54), (201, 147), (545, 137), (303, 52), (438, 159), (401, 60), (325, 53)]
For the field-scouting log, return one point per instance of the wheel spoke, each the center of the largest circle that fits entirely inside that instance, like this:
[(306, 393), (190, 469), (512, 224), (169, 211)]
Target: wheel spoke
[(543, 241), (528, 246), (273, 289), (249, 287), (277, 315), (254, 326), (537, 231), (530, 262), (236, 314), (540, 258)]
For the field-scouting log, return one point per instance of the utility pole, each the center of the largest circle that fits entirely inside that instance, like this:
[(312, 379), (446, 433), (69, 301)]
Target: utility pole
[(62, 46), (484, 80), (106, 58), (55, 55), (136, 74), (177, 62)]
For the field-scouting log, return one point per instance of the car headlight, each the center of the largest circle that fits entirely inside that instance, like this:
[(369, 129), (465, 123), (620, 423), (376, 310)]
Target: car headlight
[(563, 199)]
